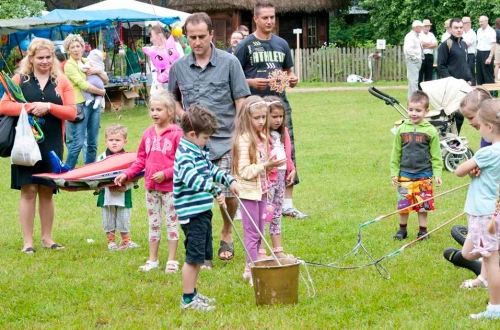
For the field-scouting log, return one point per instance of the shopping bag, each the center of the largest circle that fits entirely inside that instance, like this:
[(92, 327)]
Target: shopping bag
[(25, 151), (7, 134)]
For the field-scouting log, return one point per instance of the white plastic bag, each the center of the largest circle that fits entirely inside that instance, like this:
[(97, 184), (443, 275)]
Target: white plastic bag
[(25, 151)]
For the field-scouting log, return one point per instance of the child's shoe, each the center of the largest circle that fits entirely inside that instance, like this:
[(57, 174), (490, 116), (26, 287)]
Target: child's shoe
[(197, 304), (491, 312), (401, 235), (128, 245), (205, 299), (112, 246), (172, 267), (150, 265), (423, 233), (247, 275)]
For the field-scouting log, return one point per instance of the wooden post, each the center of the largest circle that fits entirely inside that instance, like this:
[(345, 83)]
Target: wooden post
[(297, 54)]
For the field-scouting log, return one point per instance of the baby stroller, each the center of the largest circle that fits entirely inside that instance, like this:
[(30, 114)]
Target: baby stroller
[(445, 96)]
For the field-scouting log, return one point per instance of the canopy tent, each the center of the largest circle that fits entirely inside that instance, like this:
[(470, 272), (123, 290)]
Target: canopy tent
[(156, 11), (9, 26), (99, 18)]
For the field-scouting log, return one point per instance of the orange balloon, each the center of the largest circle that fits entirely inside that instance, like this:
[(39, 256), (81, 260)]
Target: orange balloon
[(176, 31)]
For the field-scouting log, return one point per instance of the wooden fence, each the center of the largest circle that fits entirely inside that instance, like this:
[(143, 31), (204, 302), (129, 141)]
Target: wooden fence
[(335, 64)]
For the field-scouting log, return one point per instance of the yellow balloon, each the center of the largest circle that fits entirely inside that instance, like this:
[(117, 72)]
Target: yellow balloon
[(176, 31)]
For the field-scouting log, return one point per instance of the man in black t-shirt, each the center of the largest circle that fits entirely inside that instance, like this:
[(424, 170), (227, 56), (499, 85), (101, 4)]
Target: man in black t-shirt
[(261, 53)]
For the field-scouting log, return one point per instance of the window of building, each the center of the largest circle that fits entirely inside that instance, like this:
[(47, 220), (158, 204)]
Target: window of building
[(312, 32)]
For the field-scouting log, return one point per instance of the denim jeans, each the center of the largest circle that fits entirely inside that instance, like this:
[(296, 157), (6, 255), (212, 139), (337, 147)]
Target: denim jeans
[(75, 135)]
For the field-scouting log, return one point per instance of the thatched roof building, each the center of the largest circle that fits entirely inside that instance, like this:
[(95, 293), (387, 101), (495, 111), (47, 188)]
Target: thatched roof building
[(282, 6), (312, 16)]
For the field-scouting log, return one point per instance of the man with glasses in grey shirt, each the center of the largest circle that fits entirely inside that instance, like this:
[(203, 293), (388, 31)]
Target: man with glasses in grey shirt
[(212, 78)]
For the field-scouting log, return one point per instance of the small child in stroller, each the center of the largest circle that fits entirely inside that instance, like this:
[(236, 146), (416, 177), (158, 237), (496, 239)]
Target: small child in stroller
[(415, 159)]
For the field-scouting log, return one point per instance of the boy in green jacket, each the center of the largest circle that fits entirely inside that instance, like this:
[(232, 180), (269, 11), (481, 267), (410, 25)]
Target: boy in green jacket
[(415, 159)]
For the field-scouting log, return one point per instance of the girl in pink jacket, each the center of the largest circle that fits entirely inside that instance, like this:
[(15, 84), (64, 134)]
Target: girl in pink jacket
[(156, 156)]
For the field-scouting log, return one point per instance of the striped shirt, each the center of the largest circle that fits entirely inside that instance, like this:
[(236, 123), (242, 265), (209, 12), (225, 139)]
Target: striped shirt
[(194, 178)]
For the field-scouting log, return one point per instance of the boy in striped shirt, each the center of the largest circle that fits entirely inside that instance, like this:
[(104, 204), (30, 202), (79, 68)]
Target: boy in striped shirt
[(194, 190)]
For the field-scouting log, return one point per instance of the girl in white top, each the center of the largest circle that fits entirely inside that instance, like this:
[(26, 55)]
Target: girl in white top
[(280, 177), (483, 205)]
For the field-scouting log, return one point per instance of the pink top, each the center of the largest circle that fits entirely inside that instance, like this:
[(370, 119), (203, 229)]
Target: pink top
[(290, 166), (157, 153)]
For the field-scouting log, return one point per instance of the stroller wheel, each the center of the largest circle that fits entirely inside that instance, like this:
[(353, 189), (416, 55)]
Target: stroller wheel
[(452, 161)]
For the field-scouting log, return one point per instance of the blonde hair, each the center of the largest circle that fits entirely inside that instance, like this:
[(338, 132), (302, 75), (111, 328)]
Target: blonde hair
[(489, 112), (472, 101), (167, 100), (26, 67), (72, 38), (115, 129), (243, 126)]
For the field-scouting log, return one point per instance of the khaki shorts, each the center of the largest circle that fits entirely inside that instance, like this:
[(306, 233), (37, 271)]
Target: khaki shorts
[(225, 163)]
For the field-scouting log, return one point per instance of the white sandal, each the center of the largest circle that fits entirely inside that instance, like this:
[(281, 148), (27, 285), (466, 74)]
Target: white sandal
[(172, 267), (279, 250), (150, 265), (472, 284)]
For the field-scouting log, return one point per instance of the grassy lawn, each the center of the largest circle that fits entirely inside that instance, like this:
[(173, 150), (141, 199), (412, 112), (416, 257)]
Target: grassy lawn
[(344, 145), (379, 83)]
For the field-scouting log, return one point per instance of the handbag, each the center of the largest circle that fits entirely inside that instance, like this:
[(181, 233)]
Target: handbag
[(80, 115), (7, 134), (25, 151)]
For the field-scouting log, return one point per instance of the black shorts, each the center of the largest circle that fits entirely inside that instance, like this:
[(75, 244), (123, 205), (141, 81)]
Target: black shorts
[(198, 243)]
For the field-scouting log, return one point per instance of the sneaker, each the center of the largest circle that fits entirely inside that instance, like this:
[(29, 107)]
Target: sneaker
[(400, 235), (129, 245), (292, 212), (237, 216), (205, 299), (196, 304), (132, 245), (112, 246), (150, 265), (487, 314), (422, 233)]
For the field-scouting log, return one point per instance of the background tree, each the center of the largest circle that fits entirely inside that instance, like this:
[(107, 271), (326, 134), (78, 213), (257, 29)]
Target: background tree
[(391, 19), (20, 8)]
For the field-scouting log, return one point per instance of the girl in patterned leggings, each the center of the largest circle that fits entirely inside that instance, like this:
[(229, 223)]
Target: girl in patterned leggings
[(156, 156)]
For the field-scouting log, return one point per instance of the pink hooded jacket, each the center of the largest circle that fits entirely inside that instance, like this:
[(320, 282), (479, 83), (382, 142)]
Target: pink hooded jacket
[(156, 153)]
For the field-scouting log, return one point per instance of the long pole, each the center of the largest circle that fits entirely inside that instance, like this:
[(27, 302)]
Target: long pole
[(297, 58)]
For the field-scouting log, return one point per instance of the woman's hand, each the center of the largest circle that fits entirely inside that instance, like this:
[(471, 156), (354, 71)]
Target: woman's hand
[(38, 109), (93, 70)]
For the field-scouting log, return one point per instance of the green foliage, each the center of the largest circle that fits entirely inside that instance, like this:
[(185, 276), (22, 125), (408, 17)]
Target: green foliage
[(391, 19), (20, 8), (359, 34)]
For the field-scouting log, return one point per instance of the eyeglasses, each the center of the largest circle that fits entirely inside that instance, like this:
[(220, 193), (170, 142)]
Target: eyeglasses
[(236, 38)]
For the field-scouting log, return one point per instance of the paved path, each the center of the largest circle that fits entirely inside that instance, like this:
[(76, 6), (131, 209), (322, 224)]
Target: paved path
[(358, 87)]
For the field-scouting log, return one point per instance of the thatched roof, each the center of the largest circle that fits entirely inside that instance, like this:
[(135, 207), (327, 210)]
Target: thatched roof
[(282, 6)]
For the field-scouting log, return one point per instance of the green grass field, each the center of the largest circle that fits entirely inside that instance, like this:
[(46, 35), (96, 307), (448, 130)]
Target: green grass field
[(343, 149)]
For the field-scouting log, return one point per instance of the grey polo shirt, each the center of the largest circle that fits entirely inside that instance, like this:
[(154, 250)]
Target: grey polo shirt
[(216, 87)]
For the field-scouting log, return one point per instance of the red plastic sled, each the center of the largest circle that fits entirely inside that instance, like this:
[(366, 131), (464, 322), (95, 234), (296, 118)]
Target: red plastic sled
[(94, 175)]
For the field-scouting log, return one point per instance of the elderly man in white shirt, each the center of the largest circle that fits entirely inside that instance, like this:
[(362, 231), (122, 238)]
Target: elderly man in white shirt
[(470, 39), (447, 31), (413, 55), (486, 41), (429, 43)]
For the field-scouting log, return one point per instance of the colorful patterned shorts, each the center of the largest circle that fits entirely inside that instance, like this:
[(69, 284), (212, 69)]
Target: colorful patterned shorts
[(411, 191)]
